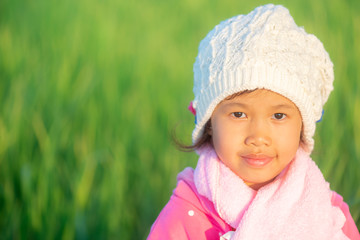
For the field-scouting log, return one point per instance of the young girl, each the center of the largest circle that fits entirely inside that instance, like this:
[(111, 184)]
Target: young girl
[(260, 84)]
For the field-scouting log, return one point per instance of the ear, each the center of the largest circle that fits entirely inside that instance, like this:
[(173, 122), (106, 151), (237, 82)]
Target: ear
[(208, 128), (209, 131), (302, 143), (302, 134)]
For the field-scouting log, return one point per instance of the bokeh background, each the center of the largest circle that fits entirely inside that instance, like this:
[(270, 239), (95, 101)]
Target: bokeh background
[(90, 91)]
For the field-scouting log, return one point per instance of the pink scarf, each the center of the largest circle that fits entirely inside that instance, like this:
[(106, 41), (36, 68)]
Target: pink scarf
[(296, 205)]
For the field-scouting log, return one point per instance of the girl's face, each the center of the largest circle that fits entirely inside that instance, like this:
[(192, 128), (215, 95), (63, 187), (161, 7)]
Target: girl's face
[(256, 135)]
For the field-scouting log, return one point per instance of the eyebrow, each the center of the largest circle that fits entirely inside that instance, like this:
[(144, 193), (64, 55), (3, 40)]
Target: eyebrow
[(244, 105), (284, 106), (231, 104)]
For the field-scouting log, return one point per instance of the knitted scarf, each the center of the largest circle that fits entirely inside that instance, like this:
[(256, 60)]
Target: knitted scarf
[(296, 205)]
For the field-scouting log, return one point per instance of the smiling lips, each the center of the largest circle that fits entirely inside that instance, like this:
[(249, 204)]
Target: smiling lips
[(257, 160)]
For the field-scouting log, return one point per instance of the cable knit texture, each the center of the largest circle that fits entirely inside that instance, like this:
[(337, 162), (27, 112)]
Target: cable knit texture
[(264, 49), (287, 208)]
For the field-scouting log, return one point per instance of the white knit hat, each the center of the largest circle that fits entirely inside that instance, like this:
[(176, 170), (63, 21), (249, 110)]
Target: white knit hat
[(262, 50)]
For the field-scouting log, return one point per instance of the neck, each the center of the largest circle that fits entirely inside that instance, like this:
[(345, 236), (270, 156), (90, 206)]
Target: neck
[(257, 186)]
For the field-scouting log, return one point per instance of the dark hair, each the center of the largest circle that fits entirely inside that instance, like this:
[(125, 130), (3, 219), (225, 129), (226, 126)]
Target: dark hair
[(204, 139)]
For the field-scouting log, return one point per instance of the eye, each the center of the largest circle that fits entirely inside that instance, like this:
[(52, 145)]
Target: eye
[(238, 114), (279, 116)]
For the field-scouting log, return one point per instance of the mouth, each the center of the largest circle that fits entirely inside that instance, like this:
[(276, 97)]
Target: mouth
[(257, 160)]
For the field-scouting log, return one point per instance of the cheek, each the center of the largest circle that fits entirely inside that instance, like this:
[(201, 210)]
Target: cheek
[(218, 136), (294, 135), (290, 140), (223, 137)]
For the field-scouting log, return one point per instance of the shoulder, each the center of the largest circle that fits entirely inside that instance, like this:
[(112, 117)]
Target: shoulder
[(349, 227), (187, 214)]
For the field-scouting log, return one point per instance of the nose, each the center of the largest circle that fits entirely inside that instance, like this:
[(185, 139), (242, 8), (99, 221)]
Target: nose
[(258, 134)]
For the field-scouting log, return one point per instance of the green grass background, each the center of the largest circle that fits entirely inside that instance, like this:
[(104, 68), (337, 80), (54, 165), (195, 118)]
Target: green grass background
[(91, 89)]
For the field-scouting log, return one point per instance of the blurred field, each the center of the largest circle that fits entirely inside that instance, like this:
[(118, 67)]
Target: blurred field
[(90, 91)]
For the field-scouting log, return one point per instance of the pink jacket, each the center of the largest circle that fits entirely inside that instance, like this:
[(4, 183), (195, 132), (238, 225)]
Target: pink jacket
[(189, 215)]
